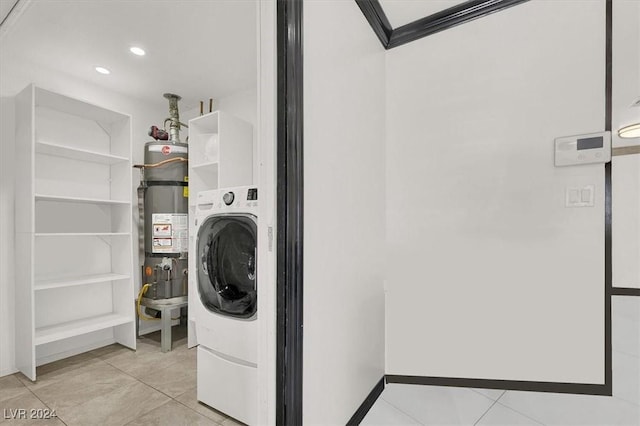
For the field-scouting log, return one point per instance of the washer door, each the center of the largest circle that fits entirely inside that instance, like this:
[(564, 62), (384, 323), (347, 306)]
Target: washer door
[(227, 265)]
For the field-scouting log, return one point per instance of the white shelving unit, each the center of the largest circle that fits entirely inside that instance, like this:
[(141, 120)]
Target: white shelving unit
[(220, 156), (74, 252), (220, 153)]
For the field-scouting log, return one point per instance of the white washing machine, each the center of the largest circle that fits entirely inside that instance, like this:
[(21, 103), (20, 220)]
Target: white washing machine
[(226, 302)]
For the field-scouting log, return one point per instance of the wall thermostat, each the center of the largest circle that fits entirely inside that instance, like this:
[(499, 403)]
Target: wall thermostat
[(591, 148)]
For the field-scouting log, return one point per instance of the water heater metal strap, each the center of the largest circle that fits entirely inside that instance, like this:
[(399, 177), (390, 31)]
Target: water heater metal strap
[(141, 190), (165, 183)]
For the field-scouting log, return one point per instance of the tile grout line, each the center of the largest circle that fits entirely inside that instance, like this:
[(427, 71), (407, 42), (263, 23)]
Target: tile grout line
[(631, 356), (95, 358), (517, 411), (91, 356), (144, 414), (625, 400), (139, 381), (621, 400), (404, 412), (46, 405), (185, 405), (490, 407), (625, 353), (158, 390)]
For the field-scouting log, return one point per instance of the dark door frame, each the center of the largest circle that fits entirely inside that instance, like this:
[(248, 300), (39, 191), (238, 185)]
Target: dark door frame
[(443, 20), (289, 207)]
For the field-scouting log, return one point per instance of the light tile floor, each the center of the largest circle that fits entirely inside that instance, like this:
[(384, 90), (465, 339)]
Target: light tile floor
[(436, 405), (115, 386)]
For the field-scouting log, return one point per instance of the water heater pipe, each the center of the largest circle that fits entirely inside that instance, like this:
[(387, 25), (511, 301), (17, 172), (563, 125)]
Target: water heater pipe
[(174, 118)]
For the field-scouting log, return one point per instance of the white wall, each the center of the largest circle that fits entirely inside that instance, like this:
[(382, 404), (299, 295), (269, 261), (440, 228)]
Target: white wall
[(244, 105), (7, 238), (343, 211), (14, 80), (489, 275), (241, 104), (625, 170)]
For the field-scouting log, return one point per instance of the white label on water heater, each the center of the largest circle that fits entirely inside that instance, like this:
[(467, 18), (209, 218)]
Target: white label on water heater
[(170, 232), (168, 149)]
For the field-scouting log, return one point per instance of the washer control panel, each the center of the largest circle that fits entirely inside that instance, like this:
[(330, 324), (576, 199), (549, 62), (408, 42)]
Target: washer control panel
[(228, 197), (252, 194), (592, 148)]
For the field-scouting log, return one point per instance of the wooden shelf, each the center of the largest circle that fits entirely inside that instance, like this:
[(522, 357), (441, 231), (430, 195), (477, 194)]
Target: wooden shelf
[(77, 153), (41, 197), (46, 284), (76, 328)]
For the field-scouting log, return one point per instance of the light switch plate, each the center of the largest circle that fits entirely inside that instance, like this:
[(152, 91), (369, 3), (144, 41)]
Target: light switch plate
[(580, 196)]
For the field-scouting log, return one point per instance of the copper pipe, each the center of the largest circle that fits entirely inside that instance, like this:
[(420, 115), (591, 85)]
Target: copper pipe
[(161, 163)]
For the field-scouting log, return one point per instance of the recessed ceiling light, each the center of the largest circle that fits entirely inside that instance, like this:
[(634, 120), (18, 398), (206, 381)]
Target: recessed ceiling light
[(103, 70), (137, 51)]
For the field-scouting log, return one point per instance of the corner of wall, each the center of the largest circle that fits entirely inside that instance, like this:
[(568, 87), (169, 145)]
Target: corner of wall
[(7, 270)]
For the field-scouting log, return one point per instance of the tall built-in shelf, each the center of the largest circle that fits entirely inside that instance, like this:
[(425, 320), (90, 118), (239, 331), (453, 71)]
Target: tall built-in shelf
[(220, 156), (74, 251)]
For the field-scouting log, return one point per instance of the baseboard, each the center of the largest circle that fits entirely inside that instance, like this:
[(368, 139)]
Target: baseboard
[(555, 387), (8, 371), (625, 291), (75, 351), (366, 405)]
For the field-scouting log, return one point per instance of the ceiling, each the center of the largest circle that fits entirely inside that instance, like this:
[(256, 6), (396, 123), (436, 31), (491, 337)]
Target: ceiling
[(199, 49), (401, 12)]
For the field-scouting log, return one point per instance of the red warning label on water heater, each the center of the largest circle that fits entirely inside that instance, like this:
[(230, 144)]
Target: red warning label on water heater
[(166, 150)]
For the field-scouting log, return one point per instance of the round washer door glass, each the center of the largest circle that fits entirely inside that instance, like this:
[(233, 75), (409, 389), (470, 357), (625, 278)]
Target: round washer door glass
[(227, 265)]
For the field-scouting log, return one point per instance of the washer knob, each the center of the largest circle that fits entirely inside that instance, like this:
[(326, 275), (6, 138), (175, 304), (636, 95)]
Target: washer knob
[(228, 198)]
